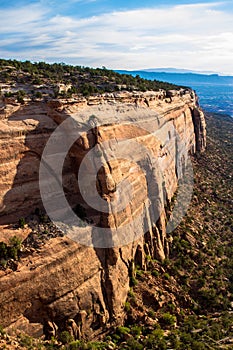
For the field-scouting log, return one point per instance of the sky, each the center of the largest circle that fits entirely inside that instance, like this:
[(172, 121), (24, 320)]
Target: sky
[(194, 35)]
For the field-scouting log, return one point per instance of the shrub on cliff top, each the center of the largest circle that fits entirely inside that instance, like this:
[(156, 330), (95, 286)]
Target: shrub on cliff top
[(14, 247), (10, 251), (84, 80)]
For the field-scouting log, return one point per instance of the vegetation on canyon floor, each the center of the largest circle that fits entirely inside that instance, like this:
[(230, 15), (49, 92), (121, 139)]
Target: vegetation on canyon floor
[(78, 80), (186, 302)]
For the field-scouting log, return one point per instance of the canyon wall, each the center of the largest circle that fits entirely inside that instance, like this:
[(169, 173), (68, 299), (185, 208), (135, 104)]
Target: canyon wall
[(86, 275)]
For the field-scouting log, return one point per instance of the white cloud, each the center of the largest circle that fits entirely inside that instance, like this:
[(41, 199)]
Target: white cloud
[(20, 19), (195, 36)]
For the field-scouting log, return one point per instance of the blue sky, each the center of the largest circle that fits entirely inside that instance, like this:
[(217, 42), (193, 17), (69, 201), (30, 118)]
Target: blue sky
[(194, 35)]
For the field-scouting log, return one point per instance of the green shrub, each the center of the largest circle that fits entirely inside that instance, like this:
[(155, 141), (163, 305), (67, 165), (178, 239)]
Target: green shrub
[(14, 247), (155, 273), (20, 99), (136, 330), (139, 273), (95, 346), (65, 337), (133, 281), (26, 341), (123, 330), (166, 262), (3, 262), (116, 338), (155, 340), (52, 345), (167, 276), (148, 258), (15, 242), (196, 345), (2, 332), (22, 222), (171, 306), (201, 282), (108, 338), (127, 306), (131, 295), (3, 251), (151, 313), (10, 251), (38, 94), (133, 344), (167, 319)]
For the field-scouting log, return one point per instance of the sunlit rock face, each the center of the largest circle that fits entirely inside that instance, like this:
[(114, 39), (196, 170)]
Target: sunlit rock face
[(141, 143)]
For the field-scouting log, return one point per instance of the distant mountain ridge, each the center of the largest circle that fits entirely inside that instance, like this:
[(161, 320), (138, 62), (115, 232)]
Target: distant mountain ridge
[(215, 91), (178, 70), (181, 78)]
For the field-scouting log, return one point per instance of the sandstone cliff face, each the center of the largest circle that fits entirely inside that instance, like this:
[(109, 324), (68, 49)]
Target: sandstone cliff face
[(65, 279)]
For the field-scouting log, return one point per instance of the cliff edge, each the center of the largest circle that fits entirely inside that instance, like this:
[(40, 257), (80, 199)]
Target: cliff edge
[(82, 277)]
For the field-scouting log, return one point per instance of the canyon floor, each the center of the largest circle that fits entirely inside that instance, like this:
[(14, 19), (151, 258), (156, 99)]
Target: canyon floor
[(185, 302)]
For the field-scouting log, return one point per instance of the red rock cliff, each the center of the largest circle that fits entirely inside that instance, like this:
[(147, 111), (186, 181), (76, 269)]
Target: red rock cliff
[(65, 279)]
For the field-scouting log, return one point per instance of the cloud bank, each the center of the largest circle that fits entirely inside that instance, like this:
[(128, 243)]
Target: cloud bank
[(197, 36)]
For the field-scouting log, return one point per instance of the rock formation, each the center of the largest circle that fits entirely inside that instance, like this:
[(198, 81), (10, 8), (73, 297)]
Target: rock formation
[(152, 134)]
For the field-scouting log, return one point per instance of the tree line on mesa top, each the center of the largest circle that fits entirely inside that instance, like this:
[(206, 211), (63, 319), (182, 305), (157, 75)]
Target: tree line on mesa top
[(82, 80)]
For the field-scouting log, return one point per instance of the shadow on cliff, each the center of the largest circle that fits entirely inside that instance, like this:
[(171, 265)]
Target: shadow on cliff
[(29, 129)]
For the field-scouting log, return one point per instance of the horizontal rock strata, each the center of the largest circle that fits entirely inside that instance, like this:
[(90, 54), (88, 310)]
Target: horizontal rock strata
[(143, 141)]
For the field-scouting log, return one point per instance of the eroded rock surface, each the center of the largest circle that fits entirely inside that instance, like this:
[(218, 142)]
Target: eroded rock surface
[(148, 137)]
